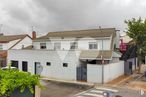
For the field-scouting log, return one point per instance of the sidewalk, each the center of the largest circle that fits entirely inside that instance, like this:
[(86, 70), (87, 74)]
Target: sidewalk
[(137, 85), (68, 81), (120, 80)]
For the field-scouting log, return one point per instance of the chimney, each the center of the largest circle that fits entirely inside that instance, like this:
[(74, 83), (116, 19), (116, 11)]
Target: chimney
[(33, 35)]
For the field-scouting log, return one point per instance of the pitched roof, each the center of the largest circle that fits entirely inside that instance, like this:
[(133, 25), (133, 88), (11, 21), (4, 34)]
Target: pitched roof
[(9, 38), (95, 54), (104, 32)]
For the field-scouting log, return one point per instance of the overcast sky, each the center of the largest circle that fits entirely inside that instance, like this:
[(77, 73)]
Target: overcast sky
[(17, 16)]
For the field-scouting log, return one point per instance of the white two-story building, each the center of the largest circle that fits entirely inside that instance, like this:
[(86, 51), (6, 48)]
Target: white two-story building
[(79, 55)]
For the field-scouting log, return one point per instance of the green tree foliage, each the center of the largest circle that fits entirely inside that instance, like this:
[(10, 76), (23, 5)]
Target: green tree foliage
[(137, 31), (15, 79)]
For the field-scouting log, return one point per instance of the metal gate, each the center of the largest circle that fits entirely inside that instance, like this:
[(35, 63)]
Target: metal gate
[(82, 73)]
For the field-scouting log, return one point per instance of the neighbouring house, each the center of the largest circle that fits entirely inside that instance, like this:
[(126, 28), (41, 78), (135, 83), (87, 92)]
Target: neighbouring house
[(130, 59), (129, 55), (8, 42), (78, 55)]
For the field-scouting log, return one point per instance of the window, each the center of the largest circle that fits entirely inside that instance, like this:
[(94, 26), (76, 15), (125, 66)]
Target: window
[(14, 63), (65, 64), (92, 45), (73, 45), (1, 47), (43, 46), (57, 46), (48, 63)]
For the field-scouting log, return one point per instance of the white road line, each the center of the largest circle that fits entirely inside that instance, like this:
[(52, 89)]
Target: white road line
[(97, 91), (80, 93), (107, 89), (95, 95)]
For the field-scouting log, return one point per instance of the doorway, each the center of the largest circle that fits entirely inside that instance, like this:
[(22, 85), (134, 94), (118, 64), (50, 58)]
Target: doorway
[(24, 66), (38, 68), (82, 73), (130, 67)]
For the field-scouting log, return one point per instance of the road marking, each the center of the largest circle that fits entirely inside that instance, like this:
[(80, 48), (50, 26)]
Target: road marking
[(107, 89), (93, 95), (95, 92)]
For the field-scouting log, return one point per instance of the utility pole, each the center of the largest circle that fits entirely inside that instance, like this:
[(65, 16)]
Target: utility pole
[(102, 58)]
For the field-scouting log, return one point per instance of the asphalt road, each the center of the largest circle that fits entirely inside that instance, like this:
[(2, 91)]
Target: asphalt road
[(57, 89), (125, 92), (121, 93)]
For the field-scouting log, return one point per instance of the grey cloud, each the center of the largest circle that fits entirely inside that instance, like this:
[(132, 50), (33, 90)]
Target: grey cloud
[(87, 13), (52, 15), (69, 12), (19, 14)]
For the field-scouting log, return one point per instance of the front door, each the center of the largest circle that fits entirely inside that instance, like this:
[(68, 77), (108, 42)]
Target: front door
[(24, 66), (38, 68)]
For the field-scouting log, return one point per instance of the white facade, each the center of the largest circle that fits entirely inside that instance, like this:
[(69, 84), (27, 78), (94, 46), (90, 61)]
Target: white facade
[(94, 73), (83, 43), (56, 69), (110, 71)]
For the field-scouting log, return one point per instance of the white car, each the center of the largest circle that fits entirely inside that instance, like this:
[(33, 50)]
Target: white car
[(6, 68)]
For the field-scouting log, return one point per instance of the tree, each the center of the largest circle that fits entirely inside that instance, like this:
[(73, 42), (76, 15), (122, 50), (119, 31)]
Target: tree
[(137, 31)]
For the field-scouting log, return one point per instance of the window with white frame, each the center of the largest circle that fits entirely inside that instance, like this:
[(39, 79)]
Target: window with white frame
[(1, 47), (43, 46), (57, 46), (73, 45), (92, 45)]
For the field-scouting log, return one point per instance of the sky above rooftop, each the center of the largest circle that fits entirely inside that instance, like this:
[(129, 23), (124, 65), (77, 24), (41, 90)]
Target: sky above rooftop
[(18, 16)]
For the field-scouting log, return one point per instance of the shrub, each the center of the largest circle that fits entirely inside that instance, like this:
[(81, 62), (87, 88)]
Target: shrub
[(15, 79)]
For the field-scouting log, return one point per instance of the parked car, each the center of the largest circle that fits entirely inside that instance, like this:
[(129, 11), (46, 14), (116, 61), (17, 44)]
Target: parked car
[(7, 67)]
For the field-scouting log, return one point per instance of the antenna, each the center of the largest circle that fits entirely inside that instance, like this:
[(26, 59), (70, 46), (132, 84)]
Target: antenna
[(32, 28)]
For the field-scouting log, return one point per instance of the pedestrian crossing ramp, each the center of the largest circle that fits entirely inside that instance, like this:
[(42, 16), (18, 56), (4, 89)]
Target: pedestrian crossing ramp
[(97, 92)]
